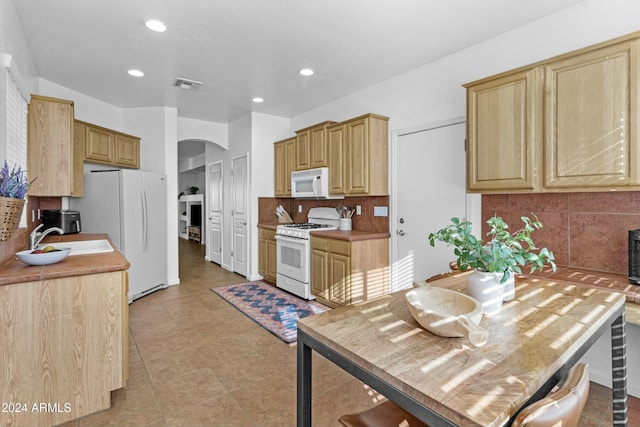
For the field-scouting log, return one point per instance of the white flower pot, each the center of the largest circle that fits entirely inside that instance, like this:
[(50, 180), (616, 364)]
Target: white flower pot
[(486, 288), (509, 289)]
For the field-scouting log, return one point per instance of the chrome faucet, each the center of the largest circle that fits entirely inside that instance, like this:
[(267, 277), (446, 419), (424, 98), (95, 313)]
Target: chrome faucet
[(36, 237)]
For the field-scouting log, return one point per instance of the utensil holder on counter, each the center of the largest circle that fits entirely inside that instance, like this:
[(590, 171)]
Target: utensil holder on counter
[(285, 219), (283, 216), (345, 224)]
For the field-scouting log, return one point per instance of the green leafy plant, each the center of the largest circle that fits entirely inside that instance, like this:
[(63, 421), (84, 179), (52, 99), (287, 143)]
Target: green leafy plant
[(193, 189), (13, 183), (504, 252)]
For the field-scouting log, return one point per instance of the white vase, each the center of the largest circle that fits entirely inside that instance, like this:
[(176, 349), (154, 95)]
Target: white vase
[(486, 288), (509, 289)]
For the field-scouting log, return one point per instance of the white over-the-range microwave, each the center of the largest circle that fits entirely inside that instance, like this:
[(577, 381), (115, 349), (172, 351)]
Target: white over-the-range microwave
[(311, 184)]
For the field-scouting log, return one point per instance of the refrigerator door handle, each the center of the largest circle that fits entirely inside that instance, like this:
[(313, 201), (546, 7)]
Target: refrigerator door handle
[(145, 220)]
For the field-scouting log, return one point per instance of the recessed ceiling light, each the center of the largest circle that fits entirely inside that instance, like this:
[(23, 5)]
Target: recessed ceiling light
[(135, 73), (154, 25), (306, 72), (257, 100)]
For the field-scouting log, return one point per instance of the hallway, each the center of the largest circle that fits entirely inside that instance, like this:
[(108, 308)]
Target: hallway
[(194, 360)]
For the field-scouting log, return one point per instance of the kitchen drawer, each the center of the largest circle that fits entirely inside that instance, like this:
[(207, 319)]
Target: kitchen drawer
[(319, 244), (341, 247)]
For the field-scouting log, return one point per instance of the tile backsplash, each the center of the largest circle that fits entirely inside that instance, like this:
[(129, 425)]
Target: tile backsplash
[(364, 222), (584, 230)]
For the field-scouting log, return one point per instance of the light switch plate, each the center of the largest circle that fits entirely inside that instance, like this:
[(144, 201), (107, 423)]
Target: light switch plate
[(358, 210), (380, 211)]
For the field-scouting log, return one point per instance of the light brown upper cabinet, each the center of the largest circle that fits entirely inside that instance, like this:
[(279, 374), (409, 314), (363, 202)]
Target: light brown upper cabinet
[(501, 132), (565, 124), (358, 156), (54, 156), (99, 143), (127, 150), (108, 146), (284, 153), (591, 135), (312, 149)]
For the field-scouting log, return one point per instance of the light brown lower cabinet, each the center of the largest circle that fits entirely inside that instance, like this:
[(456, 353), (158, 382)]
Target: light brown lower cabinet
[(345, 272), (64, 347), (267, 254)]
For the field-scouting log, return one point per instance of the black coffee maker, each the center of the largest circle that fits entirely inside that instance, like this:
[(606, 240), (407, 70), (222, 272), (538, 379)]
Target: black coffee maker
[(67, 220)]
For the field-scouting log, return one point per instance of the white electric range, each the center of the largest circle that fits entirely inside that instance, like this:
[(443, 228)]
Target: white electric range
[(293, 250)]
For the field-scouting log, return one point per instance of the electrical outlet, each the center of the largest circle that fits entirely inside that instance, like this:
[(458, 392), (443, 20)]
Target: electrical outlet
[(299, 208), (380, 211), (358, 210)]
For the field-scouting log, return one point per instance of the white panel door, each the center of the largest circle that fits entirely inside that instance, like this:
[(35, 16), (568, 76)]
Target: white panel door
[(430, 191), (240, 214), (214, 239)]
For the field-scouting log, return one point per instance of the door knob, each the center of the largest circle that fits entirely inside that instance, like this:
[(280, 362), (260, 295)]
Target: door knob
[(400, 232)]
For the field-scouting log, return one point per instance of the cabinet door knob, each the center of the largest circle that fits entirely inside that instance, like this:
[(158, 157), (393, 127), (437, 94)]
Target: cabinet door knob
[(400, 232)]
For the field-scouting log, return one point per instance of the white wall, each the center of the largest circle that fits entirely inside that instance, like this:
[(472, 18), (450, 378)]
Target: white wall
[(218, 133), (192, 178), (86, 108), (147, 123), (266, 129), (14, 42), (434, 92)]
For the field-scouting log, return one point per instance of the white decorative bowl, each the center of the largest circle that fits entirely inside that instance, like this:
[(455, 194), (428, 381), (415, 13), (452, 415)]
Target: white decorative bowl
[(44, 258), (447, 313)]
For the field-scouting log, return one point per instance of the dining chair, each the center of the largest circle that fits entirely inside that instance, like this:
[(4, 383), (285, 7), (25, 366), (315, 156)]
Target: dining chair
[(562, 407)]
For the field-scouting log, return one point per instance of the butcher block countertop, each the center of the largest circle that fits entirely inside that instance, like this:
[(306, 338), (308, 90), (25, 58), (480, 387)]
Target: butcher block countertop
[(15, 271)]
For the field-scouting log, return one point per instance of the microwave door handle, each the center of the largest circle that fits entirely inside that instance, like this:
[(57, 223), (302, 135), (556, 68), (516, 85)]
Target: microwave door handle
[(316, 185)]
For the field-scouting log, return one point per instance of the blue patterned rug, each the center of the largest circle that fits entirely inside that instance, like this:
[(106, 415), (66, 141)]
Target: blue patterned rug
[(275, 310)]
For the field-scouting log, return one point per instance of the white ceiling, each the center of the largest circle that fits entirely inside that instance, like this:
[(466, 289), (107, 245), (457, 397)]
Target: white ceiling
[(246, 48)]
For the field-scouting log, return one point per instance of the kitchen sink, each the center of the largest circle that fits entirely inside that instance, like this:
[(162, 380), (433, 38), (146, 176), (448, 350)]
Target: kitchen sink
[(82, 247)]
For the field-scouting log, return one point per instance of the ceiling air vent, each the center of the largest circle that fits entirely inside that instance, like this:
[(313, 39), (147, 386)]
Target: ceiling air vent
[(186, 84)]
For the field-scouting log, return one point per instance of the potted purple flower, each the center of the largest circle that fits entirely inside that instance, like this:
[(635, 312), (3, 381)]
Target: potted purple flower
[(13, 190)]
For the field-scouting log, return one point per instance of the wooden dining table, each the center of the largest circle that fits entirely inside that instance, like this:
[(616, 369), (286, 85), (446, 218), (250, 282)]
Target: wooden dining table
[(533, 342)]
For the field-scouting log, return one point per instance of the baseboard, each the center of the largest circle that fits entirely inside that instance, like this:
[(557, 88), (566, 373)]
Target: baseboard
[(254, 277), (599, 359), (604, 378)]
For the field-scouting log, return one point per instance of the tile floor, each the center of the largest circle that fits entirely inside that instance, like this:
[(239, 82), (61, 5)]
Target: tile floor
[(196, 361)]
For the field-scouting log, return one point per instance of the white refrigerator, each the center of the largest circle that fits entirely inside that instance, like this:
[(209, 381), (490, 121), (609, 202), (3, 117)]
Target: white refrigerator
[(131, 207)]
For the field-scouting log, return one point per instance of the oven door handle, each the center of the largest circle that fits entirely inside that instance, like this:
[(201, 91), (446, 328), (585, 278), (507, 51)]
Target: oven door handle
[(290, 239)]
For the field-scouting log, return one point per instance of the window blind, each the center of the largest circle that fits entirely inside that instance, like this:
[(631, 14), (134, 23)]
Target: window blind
[(16, 128)]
